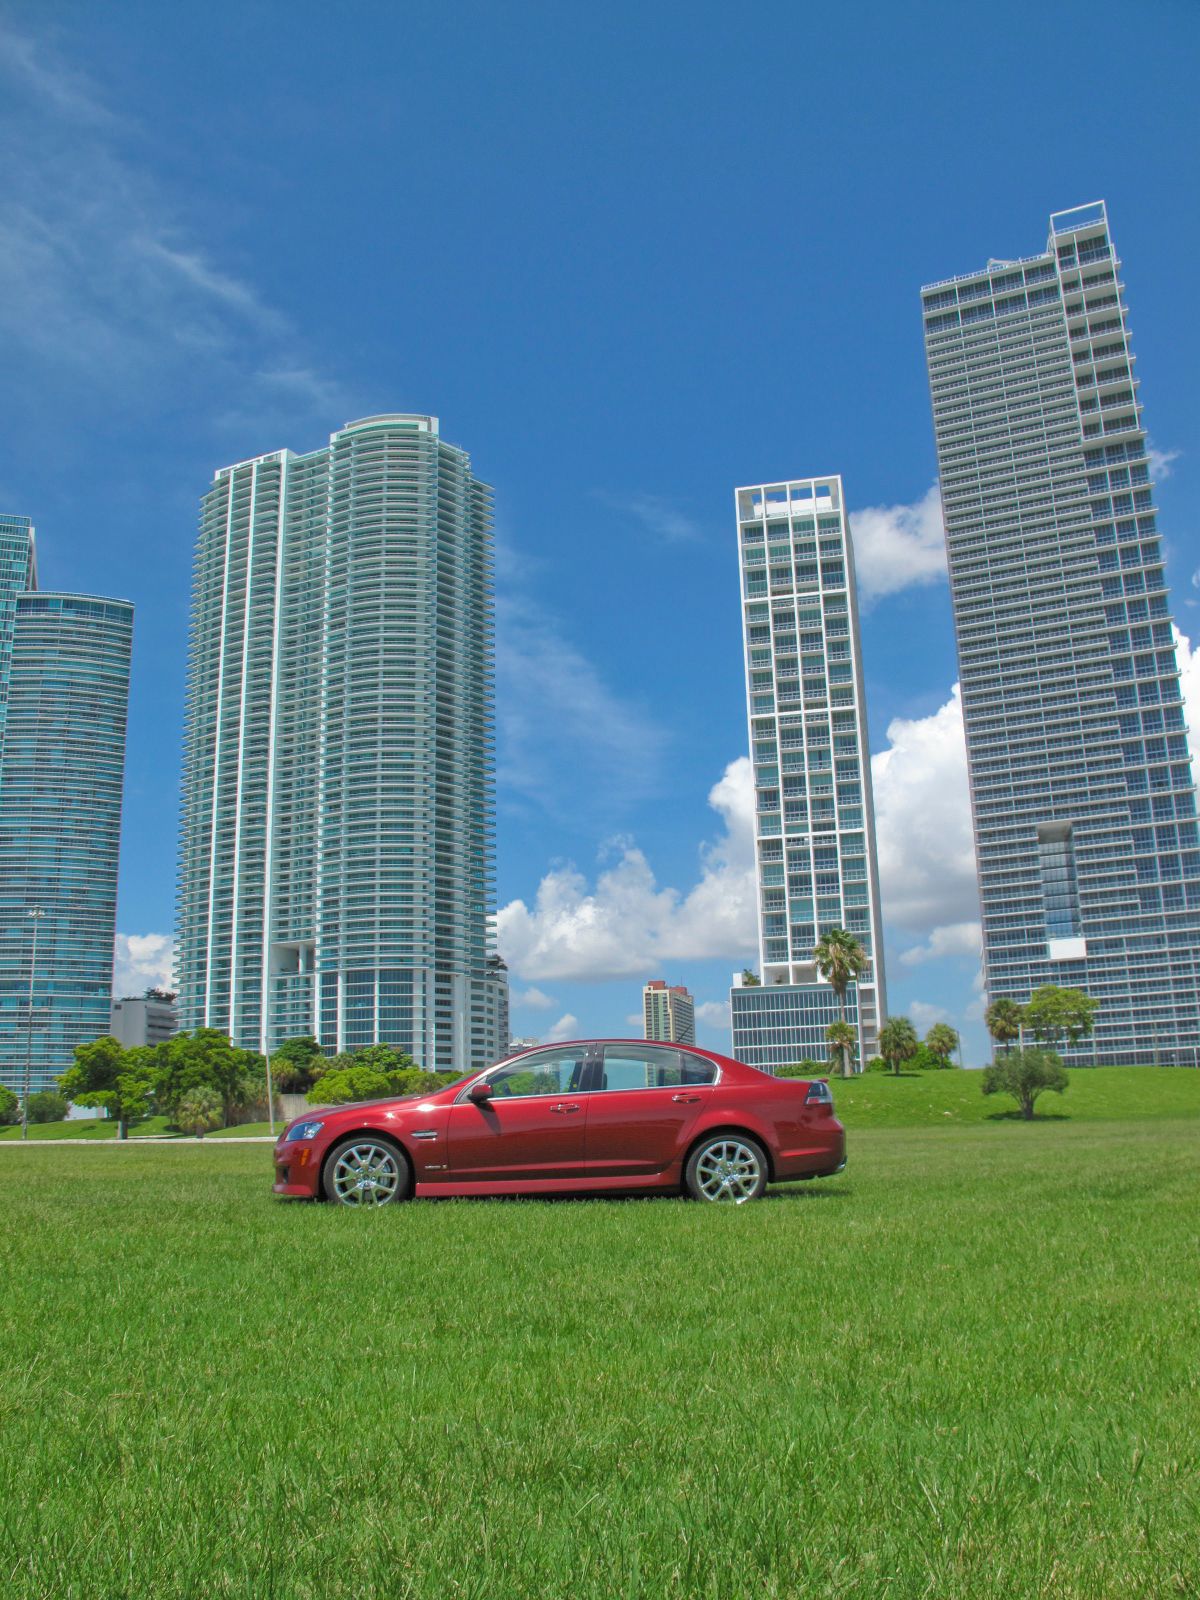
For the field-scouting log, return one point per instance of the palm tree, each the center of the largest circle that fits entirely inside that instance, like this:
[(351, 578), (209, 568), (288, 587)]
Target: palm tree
[(898, 1042), (1004, 1019), (842, 1039), (942, 1041), (840, 958)]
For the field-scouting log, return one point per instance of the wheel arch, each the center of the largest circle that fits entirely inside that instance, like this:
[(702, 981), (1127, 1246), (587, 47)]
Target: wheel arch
[(735, 1130), (357, 1133)]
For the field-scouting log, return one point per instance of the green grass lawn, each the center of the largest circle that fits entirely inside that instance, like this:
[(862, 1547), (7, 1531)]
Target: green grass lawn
[(949, 1099), (969, 1367)]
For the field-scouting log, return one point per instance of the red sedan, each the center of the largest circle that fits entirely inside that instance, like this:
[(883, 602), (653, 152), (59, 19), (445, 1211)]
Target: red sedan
[(601, 1115)]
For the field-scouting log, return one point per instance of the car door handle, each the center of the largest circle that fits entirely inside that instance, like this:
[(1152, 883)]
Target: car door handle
[(564, 1110), (686, 1099)]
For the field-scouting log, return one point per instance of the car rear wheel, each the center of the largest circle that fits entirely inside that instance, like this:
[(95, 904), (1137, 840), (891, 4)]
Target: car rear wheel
[(729, 1167), (366, 1171)]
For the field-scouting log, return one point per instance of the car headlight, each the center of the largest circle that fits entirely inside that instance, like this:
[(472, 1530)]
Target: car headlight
[(303, 1130)]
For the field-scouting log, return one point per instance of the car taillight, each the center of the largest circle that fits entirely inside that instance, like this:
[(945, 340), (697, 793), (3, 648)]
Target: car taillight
[(818, 1094)]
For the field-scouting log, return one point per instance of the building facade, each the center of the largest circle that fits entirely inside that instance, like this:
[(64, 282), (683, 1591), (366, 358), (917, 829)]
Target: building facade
[(64, 700), (668, 1012), (336, 859), (814, 817), (1081, 787), (143, 1020)]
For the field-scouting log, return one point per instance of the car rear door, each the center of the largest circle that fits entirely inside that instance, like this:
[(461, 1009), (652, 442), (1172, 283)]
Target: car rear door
[(646, 1100), (532, 1127)]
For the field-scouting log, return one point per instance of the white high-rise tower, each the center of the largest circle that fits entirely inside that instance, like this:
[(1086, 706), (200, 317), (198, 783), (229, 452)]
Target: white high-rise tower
[(814, 820), (337, 832)]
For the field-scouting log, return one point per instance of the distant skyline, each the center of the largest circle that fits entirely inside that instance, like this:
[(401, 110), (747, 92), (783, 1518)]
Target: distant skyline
[(629, 265)]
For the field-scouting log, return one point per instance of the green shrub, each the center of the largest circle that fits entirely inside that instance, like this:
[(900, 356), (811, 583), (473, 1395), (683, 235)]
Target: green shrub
[(803, 1069), (342, 1087), (1025, 1074), (10, 1108), (46, 1106), (876, 1064)]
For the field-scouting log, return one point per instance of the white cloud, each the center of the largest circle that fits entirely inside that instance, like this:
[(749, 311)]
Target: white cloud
[(951, 939), (567, 1027), (1162, 462), (533, 1000), (714, 1013), (142, 961), (898, 547), (635, 1019), (106, 298), (568, 744), (924, 1015), (923, 825), (627, 925), (1189, 670), (657, 516)]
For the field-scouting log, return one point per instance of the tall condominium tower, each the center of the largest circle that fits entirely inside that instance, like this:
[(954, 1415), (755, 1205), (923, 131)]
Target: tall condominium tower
[(815, 824), (1082, 791), (668, 1012), (64, 699), (337, 820)]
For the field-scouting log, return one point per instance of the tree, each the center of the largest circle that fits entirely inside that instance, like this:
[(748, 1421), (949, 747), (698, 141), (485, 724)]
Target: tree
[(297, 1065), (942, 1040), (349, 1084), (46, 1106), (10, 1108), (1004, 1019), (206, 1060), (1053, 1014), (750, 980), (1025, 1074), (383, 1058), (199, 1111), (121, 1082), (897, 1042), (843, 1041), (840, 958)]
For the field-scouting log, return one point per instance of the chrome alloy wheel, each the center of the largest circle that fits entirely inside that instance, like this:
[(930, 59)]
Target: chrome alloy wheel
[(729, 1170), (366, 1174)]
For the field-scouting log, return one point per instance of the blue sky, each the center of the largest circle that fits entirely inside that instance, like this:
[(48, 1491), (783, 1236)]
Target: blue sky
[(632, 256)]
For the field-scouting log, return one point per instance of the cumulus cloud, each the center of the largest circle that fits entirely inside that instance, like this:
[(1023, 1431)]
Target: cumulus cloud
[(532, 999), (142, 961), (925, 1015), (923, 825), (567, 1027), (952, 939), (898, 547), (1189, 670), (714, 1013), (626, 924), (1162, 462)]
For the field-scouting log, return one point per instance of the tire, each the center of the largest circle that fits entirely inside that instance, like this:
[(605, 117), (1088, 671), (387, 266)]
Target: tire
[(727, 1167), (366, 1170)]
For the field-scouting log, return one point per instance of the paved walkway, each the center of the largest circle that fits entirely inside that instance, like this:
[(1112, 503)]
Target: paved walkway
[(150, 1138)]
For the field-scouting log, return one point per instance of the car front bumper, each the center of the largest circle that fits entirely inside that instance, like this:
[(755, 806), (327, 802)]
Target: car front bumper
[(297, 1171)]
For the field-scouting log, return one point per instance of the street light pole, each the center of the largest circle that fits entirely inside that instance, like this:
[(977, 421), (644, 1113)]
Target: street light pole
[(36, 913)]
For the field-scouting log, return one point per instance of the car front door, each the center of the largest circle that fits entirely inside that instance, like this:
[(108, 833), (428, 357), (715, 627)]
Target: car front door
[(532, 1125), (647, 1098)]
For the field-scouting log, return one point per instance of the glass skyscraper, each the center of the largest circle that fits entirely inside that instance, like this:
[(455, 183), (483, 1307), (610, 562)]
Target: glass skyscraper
[(1082, 790), (64, 698), (337, 831), (815, 824)]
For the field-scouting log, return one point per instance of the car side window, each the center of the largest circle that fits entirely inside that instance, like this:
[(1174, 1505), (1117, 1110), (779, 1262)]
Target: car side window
[(628, 1066), (551, 1072)]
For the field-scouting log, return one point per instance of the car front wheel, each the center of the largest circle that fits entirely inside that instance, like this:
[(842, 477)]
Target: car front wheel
[(365, 1171), (728, 1167)]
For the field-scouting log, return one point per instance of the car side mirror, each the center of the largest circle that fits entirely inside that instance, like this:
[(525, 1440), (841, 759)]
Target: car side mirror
[(480, 1092)]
